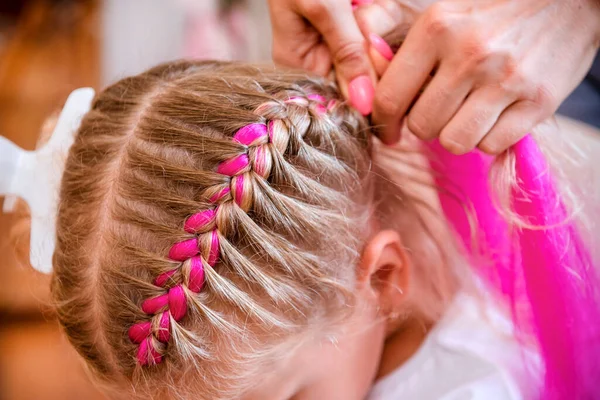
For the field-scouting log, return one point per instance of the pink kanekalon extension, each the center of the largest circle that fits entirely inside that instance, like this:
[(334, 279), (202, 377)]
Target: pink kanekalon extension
[(542, 261), (463, 183), (561, 281)]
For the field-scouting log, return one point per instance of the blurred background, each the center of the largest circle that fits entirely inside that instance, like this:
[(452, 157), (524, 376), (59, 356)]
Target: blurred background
[(50, 47), (47, 49)]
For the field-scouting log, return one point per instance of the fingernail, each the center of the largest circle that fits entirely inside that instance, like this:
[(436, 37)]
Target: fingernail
[(358, 3), (361, 93), (381, 46)]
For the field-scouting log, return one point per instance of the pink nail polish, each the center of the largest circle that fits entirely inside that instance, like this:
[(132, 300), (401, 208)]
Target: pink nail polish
[(361, 93), (358, 3), (381, 46)]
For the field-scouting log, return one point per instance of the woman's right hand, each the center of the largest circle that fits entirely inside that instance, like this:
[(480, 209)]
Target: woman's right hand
[(320, 35), (499, 68), (385, 22)]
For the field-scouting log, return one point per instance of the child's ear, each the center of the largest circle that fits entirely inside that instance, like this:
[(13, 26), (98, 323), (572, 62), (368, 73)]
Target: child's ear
[(385, 270)]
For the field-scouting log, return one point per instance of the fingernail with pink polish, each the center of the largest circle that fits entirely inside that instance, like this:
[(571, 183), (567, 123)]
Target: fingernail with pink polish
[(358, 3), (381, 46), (361, 93)]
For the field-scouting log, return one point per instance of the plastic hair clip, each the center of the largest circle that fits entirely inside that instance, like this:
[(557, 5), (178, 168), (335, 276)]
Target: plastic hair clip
[(35, 177)]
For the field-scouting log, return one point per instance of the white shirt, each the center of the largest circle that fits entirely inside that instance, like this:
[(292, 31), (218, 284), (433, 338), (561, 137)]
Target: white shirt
[(471, 354)]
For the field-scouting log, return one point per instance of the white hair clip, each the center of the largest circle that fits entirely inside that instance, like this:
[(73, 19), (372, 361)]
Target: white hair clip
[(35, 177)]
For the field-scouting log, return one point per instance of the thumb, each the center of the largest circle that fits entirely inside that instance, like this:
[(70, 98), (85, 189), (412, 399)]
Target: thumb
[(388, 19), (356, 76), (385, 23)]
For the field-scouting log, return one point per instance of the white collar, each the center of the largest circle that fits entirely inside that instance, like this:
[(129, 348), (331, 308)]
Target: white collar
[(471, 349)]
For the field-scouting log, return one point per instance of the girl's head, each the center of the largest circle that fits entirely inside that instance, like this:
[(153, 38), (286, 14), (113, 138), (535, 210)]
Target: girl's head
[(219, 236)]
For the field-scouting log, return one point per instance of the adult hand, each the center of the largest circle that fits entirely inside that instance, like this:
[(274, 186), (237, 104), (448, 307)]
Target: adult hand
[(319, 35), (499, 67), (391, 19)]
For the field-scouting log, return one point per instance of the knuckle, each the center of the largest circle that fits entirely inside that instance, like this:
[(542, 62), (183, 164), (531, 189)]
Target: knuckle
[(477, 53), (513, 81), (483, 59), (545, 96), (418, 124), (315, 8), (511, 69), (386, 104), (504, 68), (490, 147), (350, 53), (436, 20), (448, 141)]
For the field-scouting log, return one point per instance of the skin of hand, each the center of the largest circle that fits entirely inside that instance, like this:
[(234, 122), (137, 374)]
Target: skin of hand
[(493, 69), (319, 35), (391, 19)]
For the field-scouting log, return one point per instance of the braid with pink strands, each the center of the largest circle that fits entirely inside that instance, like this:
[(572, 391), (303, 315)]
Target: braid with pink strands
[(203, 250)]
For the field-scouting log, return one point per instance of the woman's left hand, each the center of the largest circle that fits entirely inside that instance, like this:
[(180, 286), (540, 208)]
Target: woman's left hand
[(319, 35)]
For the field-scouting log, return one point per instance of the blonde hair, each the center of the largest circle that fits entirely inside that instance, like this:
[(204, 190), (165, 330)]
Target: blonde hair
[(145, 159)]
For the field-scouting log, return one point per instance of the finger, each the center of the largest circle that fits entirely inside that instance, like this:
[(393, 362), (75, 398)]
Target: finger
[(438, 103), (401, 83), (335, 21), (475, 118), (358, 3), (384, 17), (380, 64), (318, 60), (512, 125), (296, 43), (380, 52)]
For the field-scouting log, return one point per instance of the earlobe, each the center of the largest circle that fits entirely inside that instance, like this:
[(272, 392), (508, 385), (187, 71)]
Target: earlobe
[(385, 269)]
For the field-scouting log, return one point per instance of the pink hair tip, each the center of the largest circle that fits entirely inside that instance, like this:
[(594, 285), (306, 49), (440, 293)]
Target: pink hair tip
[(183, 250), (234, 165), (177, 302), (147, 354), (155, 304), (200, 221), (249, 134), (139, 332)]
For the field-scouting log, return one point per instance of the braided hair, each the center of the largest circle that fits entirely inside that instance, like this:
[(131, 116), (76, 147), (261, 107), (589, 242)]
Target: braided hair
[(210, 215)]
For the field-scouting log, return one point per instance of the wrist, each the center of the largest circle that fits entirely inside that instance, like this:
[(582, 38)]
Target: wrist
[(589, 11), (577, 19)]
